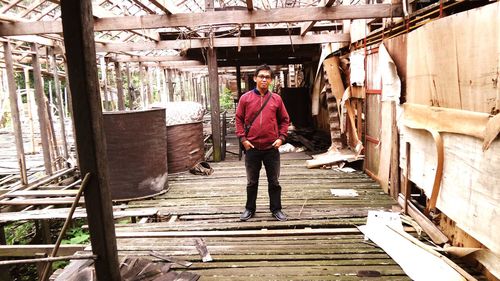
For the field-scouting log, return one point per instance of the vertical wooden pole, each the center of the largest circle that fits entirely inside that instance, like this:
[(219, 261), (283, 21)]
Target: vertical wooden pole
[(394, 173), (164, 76), (170, 85), (57, 87), (407, 188), (52, 135), (131, 95), (104, 82), (207, 92), (78, 22), (141, 85), (196, 90), (213, 74), (119, 86), (149, 85), (238, 80), (41, 108), (29, 100), (180, 76), (214, 103), (14, 110)]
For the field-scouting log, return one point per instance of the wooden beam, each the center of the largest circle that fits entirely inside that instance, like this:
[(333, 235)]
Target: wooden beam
[(122, 58), (77, 22), (9, 6), (306, 26), (239, 233), (31, 7), (100, 12), (166, 6), (214, 18), (32, 250), (33, 39), (14, 111), (224, 42), (252, 25), (41, 108)]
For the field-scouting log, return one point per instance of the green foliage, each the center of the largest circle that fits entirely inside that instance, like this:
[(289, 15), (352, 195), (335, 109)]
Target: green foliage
[(226, 99), (76, 235), (59, 264), (20, 233)]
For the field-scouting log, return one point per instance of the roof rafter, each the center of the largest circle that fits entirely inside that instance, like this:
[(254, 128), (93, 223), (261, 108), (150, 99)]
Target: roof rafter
[(308, 25), (215, 18), (223, 42)]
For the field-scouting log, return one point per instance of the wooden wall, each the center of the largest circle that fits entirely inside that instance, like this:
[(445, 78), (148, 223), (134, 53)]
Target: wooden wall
[(454, 62)]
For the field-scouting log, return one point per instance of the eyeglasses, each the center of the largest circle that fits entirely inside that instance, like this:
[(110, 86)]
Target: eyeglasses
[(267, 77)]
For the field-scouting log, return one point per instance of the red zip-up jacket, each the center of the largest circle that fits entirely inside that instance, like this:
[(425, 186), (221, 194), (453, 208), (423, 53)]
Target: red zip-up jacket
[(271, 124)]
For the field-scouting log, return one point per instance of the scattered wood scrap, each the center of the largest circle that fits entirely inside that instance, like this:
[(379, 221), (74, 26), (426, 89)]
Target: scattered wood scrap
[(202, 249), (332, 157)]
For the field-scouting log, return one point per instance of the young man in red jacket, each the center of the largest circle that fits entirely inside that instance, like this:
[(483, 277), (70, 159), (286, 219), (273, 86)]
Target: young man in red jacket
[(261, 142)]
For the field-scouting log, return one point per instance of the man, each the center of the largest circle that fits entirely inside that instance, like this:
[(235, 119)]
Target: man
[(267, 133)]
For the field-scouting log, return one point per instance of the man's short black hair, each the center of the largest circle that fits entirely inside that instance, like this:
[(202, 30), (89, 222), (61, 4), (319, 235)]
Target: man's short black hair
[(263, 67)]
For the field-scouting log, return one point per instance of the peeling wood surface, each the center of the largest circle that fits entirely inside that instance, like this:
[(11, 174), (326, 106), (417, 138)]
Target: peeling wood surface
[(469, 193)]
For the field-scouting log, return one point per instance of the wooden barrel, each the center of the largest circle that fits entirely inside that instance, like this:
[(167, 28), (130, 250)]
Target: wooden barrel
[(185, 146), (137, 153)]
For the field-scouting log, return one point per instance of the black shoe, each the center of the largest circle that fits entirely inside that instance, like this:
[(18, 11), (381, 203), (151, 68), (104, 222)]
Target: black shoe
[(279, 215), (246, 215)]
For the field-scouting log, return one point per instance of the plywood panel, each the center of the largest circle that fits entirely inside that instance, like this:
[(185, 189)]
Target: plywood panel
[(453, 62), (478, 47), (470, 188)]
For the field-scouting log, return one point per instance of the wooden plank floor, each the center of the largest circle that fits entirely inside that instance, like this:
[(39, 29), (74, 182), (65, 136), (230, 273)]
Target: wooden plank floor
[(214, 203)]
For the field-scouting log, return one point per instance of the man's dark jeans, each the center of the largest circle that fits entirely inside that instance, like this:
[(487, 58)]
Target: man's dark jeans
[(253, 163)]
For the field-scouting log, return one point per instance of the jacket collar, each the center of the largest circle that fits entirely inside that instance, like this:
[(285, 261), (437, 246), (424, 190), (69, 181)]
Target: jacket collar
[(256, 91)]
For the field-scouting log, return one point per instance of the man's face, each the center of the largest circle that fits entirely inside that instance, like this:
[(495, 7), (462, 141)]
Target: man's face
[(263, 79)]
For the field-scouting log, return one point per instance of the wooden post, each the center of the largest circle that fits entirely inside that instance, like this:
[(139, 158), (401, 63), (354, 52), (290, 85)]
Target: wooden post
[(29, 100), (206, 91), (104, 82), (77, 22), (141, 85), (58, 93), (213, 74), (238, 80), (164, 87), (407, 189), (149, 86), (52, 137), (42, 113), (214, 103), (394, 176), (181, 85), (131, 94), (170, 85), (14, 110), (119, 86)]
